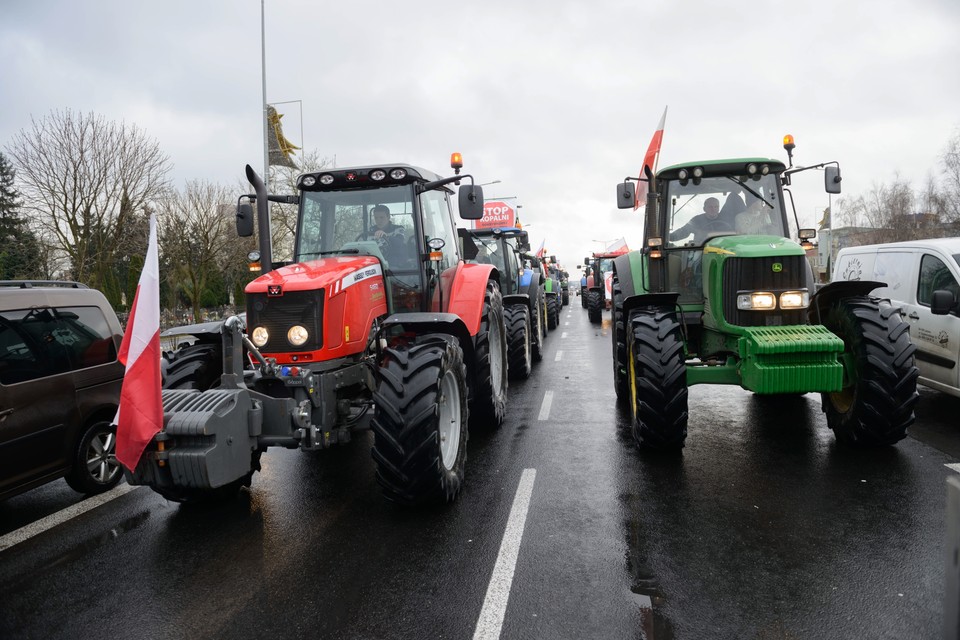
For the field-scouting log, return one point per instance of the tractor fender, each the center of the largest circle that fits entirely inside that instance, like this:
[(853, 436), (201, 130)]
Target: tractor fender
[(467, 293), (516, 298), (425, 322), (830, 293), (660, 300), (624, 273), (526, 279)]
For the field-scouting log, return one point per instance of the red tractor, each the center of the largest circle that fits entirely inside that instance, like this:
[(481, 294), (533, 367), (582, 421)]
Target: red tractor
[(598, 287), (377, 315)]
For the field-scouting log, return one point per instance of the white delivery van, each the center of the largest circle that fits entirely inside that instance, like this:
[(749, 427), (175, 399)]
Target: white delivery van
[(922, 279)]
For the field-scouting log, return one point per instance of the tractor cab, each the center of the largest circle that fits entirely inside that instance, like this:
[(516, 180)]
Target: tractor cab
[(397, 213), (503, 247)]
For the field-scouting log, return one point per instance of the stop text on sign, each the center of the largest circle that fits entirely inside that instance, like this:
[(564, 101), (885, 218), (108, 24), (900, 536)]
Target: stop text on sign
[(497, 213)]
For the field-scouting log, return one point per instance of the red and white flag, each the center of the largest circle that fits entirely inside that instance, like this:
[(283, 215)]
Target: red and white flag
[(140, 415), (541, 250), (650, 160)]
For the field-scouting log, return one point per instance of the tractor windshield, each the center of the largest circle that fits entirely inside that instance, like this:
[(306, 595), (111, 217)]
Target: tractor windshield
[(377, 222), (722, 205)]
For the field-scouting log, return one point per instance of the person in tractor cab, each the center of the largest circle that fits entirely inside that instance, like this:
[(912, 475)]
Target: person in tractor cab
[(388, 236), (756, 219), (703, 224)]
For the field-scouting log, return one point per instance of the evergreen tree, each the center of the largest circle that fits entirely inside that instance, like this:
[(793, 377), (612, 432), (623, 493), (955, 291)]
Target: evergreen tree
[(20, 251)]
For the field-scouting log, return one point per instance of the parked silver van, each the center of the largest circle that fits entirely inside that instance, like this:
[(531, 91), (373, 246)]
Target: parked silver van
[(923, 278)]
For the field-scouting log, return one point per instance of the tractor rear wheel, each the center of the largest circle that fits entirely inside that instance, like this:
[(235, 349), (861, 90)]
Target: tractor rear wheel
[(658, 379), (595, 306), (489, 402), (619, 334), (583, 297), (875, 407), (553, 311), (420, 421), (520, 358), (196, 366)]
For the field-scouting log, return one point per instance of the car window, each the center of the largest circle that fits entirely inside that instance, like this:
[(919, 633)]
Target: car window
[(40, 342), (934, 275)]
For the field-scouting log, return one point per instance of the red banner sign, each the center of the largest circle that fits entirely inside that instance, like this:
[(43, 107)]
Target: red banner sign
[(497, 213)]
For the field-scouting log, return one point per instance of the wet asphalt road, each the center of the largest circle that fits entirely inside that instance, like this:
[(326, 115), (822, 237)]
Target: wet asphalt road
[(763, 528)]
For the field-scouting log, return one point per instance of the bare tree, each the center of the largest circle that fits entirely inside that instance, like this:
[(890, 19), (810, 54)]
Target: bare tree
[(283, 218), (199, 243), (950, 191), (84, 179)]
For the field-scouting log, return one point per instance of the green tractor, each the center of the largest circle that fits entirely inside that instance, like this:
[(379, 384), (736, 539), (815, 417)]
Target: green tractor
[(720, 295)]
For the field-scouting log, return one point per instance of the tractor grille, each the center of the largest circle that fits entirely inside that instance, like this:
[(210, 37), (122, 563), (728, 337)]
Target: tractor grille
[(757, 274), (278, 313)]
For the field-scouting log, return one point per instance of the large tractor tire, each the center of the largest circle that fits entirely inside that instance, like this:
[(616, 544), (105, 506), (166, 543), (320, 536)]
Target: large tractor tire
[(565, 296), (621, 382), (489, 402), (595, 306), (420, 421), (876, 405), (519, 342), (553, 312), (199, 366), (583, 297), (658, 379), (538, 330)]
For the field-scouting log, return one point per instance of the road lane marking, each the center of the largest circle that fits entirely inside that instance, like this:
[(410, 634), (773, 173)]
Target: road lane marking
[(36, 528), (545, 407), (559, 355), (955, 466), (490, 623), (563, 335), (566, 324)]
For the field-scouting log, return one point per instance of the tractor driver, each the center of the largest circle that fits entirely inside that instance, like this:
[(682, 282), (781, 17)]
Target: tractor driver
[(388, 236), (703, 224)]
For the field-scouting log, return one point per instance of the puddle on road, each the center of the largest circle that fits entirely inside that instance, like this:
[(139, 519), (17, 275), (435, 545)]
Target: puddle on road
[(92, 544)]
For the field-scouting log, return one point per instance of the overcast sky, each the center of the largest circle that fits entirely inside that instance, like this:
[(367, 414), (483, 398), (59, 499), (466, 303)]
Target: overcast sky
[(557, 100)]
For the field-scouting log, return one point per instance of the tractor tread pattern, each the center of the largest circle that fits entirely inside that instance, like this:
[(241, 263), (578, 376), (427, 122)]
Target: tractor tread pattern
[(405, 423), (885, 392), (661, 379), (519, 347)]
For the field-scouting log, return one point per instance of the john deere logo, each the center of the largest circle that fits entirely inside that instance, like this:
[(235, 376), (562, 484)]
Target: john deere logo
[(777, 267)]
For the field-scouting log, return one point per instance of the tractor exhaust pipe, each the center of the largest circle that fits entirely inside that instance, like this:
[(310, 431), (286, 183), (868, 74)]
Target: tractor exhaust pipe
[(263, 220)]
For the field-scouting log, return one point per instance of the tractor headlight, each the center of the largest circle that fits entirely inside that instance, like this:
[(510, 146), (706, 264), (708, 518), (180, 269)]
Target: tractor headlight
[(794, 300), (259, 336), (297, 335), (756, 301)]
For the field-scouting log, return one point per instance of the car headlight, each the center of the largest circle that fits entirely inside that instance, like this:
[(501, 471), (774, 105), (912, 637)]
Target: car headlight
[(259, 336), (756, 301), (794, 300), (297, 335)]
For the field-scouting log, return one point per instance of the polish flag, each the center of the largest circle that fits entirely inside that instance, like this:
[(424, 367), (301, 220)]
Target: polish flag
[(140, 415), (541, 251), (650, 160)]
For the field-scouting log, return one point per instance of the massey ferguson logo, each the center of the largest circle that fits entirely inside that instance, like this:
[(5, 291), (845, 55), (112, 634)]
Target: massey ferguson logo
[(274, 290)]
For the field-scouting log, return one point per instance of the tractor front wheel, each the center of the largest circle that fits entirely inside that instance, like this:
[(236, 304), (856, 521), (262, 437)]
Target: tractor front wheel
[(538, 331), (876, 404), (420, 421), (595, 306), (658, 379), (553, 311), (621, 383), (519, 351), (489, 403)]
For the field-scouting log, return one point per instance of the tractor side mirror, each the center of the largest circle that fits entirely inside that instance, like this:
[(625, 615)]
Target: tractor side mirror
[(586, 262), (831, 179), (626, 195), (471, 201), (245, 220), (807, 234)]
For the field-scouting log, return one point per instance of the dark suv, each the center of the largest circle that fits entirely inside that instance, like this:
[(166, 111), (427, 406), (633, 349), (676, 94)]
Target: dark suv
[(59, 387)]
